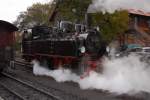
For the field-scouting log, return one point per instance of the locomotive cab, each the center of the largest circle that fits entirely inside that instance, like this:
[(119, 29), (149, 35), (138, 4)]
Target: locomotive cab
[(66, 26), (78, 28), (27, 35)]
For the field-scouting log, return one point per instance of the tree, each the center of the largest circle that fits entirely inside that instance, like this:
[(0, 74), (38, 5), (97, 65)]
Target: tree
[(72, 10), (37, 14), (111, 24)]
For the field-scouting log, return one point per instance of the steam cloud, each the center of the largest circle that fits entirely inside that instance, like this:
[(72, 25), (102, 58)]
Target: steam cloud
[(113, 5), (125, 75), (66, 75)]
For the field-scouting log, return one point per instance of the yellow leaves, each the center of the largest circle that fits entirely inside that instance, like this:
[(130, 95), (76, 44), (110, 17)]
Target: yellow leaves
[(111, 24)]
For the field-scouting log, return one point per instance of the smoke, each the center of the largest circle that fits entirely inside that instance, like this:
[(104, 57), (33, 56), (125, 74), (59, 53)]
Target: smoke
[(60, 75), (123, 75), (113, 5)]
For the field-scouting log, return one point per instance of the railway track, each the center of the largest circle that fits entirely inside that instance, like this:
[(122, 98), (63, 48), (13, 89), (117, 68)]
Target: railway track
[(19, 64), (64, 95), (23, 63), (8, 94), (23, 90), (24, 67)]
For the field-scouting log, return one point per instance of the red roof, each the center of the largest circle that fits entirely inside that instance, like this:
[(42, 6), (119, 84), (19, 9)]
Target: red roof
[(139, 12)]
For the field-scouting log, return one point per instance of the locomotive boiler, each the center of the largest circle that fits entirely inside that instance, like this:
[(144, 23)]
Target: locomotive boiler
[(68, 45)]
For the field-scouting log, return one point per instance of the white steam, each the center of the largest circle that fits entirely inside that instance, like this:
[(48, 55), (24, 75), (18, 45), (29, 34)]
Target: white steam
[(113, 5), (60, 75), (124, 75)]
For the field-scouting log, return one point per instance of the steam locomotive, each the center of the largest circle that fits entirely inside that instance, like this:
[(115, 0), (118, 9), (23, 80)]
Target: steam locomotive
[(70, 45)]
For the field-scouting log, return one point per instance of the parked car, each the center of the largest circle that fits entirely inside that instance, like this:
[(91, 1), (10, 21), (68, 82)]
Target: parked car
[(128, 51), (144, 52)]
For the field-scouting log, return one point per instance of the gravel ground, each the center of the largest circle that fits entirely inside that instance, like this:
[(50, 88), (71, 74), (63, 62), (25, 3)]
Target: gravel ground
[(70, 90), (7, 95), (23, 90)]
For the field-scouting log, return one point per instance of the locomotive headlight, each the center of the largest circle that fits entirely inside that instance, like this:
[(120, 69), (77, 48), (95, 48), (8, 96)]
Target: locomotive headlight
[(82, 49)]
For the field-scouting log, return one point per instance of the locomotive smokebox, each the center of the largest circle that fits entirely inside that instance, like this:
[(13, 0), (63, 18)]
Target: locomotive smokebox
[(88, 20)]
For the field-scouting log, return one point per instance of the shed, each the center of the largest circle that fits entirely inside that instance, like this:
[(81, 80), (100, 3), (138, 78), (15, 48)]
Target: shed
[(6, 33)]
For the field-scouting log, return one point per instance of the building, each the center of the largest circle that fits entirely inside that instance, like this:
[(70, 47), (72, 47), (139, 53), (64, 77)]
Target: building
[(139, 28), (138, 32), (7, 31)]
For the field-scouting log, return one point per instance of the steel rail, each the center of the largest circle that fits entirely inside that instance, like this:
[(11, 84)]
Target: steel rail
[(31, 86), (13, 92), (22, 63)]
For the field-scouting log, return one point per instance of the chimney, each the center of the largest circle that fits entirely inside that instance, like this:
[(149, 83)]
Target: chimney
[(88, 20)]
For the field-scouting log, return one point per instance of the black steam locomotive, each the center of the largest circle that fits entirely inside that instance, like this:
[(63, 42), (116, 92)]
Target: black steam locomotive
[(67, 45)]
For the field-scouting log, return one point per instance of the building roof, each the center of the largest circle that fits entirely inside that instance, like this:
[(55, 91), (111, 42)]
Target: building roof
[(6, 26), (139, 12)]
